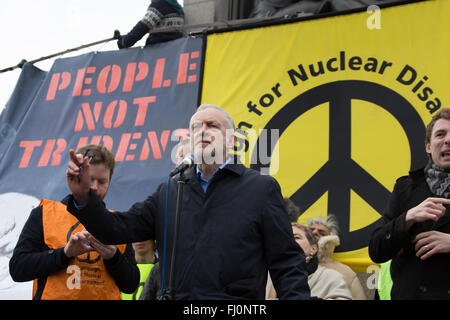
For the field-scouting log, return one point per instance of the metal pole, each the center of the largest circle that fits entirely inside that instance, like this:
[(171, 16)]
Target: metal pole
[(21, 63)]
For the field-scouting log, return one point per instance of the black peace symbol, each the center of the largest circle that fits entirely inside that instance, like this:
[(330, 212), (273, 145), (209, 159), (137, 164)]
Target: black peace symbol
[(340, 173), (88, 254)]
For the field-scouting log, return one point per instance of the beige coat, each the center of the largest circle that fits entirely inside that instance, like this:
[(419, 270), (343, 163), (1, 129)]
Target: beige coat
[(328, 284), (326, 250), (324, 283)]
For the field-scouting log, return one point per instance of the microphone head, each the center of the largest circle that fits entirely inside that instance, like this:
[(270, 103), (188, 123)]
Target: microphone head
[(187, 162), (189, 158)]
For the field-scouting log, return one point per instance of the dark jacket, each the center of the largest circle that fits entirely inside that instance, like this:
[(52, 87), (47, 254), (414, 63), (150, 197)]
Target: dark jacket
[(412, 277), (152, 286), (229, 237), (159, 14), (33, 259)]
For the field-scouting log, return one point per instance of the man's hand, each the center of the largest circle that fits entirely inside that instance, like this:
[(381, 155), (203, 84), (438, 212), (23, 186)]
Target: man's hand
[(430, 243), (78, 177), (105, 251), (77, 244), (429, 209)]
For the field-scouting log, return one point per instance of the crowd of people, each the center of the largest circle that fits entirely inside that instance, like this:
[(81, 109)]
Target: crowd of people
[(239, 238)]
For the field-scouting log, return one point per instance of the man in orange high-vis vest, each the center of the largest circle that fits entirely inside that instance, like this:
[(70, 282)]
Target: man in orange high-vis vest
[(65, 260)]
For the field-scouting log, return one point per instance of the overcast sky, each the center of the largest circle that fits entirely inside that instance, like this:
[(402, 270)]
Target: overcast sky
[(32, 29)]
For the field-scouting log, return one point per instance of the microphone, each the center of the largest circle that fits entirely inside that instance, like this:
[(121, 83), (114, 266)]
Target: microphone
[(187, 162)]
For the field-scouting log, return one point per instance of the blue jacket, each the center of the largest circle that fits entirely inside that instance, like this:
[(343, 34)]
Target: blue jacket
[(229, 237)]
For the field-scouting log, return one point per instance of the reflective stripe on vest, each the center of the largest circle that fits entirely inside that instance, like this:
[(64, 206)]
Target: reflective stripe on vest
[(86, 277), (144, 271)]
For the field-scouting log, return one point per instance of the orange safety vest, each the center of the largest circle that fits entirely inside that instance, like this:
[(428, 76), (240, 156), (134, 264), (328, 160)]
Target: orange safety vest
[(86, 277)]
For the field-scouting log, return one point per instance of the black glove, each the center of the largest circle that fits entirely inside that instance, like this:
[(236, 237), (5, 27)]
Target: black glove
[(117, 34), (120, 43), (119, 39)]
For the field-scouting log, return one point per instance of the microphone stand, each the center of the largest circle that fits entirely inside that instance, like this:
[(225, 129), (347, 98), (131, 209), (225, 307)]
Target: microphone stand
[(168, 294)]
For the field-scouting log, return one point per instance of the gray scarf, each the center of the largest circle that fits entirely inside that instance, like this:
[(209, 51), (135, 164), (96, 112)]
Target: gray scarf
[(438, 179)]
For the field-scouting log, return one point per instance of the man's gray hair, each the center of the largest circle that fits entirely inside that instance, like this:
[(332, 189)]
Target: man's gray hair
[(229, 123), (330, 222)]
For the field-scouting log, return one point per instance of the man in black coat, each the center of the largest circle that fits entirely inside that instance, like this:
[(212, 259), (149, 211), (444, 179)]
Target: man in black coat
[(415, 232), (233, 225)]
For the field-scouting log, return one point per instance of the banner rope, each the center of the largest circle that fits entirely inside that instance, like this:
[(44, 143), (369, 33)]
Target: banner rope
[(199, 29)]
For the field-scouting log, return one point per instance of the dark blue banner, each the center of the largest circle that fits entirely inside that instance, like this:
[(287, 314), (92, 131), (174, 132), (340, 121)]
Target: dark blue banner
[(137, 102)]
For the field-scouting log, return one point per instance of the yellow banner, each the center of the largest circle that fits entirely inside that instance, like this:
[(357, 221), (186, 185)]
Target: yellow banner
[(344, 100)]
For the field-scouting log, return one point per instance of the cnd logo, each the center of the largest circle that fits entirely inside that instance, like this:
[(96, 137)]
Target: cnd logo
[(88, 254), (341, 174)]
